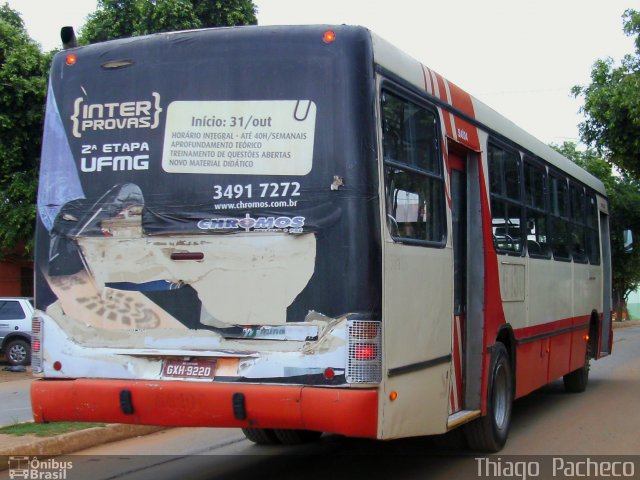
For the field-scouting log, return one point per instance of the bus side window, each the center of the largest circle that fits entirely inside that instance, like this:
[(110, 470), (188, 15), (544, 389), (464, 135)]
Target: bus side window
[(593, 235), (414, 186), (506, 203), (578, 223), (537, 224), (559, 206)]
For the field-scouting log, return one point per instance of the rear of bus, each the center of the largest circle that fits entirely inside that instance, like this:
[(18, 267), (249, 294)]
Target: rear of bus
[(208, 238)]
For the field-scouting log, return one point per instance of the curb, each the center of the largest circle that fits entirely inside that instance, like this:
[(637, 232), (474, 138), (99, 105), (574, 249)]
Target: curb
[(74, 441)]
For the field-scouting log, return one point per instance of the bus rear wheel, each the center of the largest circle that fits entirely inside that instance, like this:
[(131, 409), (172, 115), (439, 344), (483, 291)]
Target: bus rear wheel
[(261, 436), (576, 381), (489, 433)]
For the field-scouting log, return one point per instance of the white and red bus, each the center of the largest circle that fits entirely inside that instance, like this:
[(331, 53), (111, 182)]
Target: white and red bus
[(296, 230)]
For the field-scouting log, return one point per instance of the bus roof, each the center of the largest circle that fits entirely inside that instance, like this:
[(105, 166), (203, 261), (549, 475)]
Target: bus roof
[(394, 60)]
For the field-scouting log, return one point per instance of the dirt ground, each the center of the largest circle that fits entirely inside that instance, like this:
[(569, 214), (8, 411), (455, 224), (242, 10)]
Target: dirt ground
[(7, 376)]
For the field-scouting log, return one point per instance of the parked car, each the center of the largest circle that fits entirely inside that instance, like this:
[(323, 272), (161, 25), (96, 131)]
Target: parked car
[(15, 329)]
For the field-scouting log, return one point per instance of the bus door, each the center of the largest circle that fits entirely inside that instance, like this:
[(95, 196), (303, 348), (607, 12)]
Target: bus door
[(605, 337), (468, 307), (458, 179)]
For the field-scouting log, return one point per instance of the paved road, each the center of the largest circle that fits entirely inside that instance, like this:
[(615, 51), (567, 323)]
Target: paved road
[(16, 402)]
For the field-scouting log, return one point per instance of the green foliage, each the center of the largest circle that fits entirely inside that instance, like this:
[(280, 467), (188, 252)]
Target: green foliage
[(126, 18), (46, 429), (11, 17), (612, 105), (23, 74), (220, 13), (624, 213)]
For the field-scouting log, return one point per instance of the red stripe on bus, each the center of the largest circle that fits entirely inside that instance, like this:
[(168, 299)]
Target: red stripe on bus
[(466, 133), (456, 384), (461, 100), (441, 87), (351, 412), (427, 80)]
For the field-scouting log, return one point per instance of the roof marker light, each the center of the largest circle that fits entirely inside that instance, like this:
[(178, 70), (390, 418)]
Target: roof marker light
[(71, 59), (329, 36)]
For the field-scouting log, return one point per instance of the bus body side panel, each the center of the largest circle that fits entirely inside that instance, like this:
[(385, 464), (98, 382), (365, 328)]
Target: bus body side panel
[(605, 339), (417, 336)]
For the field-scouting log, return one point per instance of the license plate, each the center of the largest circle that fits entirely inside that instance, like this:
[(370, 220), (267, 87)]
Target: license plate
[(189, 369)]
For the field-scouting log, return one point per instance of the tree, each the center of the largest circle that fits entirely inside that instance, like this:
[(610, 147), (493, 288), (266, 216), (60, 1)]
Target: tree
[(222, 13), (126, 18), (624, 214), (23, 82), (612, 105)]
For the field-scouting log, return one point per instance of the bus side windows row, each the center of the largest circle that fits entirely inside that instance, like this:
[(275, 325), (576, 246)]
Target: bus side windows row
[(540, 208)]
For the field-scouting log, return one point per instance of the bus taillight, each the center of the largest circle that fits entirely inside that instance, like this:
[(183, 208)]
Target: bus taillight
[(365, 352), (36, 344), (364, 362)]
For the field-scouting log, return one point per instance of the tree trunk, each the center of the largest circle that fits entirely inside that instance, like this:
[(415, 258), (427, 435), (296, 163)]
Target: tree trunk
[(619, 306)]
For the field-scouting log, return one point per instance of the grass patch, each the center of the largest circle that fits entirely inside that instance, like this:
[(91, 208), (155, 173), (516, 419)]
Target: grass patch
[(46, 429)]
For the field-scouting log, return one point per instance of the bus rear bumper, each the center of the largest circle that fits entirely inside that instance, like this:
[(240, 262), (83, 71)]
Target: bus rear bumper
[(351, 412)]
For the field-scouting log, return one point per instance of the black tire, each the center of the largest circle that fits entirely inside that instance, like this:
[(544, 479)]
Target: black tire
[(576, 381), (297, 437), (261, 436), (18, 352), (489, 433)]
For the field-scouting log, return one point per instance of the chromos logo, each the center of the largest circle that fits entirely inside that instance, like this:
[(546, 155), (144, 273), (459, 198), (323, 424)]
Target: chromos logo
[(115, 115), (248, 223)]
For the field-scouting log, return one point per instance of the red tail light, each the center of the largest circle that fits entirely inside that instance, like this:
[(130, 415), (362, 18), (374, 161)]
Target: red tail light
[(365, 351)]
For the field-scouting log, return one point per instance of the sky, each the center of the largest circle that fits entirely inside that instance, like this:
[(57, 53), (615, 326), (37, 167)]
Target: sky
[(520, 57)]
